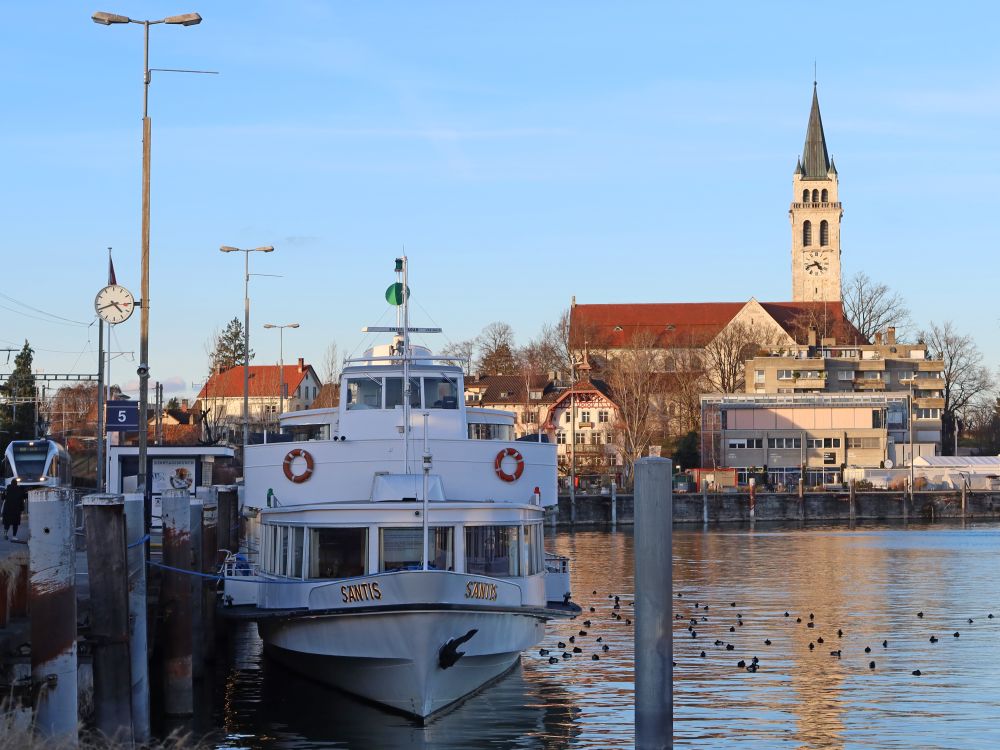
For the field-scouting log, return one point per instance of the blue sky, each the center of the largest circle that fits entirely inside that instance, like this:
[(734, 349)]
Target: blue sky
[(521, 152)]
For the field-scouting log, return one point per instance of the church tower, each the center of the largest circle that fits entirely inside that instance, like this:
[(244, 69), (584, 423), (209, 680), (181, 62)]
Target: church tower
[(815, 216)]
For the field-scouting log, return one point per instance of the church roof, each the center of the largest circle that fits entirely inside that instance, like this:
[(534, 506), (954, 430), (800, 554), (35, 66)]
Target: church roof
[(815, 159)]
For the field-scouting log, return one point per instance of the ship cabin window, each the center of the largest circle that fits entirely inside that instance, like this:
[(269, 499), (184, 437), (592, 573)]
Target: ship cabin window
[(394, 393), (337, 552), (282, 548), (534, 550), (403, 549), (493, 551), (364, 393), (300, 432), (440, 393), (490, 431)]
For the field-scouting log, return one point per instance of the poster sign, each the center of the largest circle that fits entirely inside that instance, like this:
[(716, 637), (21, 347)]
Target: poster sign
[(122, 416), (174, 473)]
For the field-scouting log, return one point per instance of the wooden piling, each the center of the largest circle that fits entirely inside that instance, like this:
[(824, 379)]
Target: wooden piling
[(653, 604), (107, 571), (228, 524), (175, 602), (135, 525), (197, 600), (52, 555), (209, 555)]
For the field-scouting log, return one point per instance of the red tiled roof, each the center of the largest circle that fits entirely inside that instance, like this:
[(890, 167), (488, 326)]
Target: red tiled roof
[(264, 381), (691, 323)]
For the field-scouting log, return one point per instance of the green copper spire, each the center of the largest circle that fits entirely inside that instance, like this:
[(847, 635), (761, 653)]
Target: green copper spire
[(815, 159)]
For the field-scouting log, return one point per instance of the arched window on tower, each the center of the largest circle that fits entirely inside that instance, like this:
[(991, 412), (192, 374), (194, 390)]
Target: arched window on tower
[(805, 196), (815, 196), (807, 231), (824, 233), (824, 196)]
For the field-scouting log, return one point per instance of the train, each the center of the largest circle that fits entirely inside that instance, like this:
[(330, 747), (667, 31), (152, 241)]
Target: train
[(37, 463)]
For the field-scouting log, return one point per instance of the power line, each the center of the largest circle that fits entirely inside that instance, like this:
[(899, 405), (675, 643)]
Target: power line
[(38, 310)]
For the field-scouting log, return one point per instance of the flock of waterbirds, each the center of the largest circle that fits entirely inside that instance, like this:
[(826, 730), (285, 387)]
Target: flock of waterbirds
[(574, 648), (697, 616)]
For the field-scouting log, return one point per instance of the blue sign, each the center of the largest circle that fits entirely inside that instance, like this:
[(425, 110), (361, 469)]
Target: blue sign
[(122, 416)]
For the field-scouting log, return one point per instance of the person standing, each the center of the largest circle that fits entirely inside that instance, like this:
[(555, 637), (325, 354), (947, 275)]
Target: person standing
[(13, 506)]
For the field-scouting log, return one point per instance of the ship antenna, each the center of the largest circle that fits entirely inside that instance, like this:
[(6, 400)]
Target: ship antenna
[(401, 269)]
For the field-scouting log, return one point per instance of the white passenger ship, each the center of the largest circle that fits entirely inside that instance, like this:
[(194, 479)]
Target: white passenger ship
[(399, 534)]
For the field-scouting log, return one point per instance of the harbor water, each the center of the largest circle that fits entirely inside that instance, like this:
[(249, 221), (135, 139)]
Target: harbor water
[(899, 585)]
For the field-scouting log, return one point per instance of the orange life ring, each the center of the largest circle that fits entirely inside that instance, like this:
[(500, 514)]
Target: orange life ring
[(310, 464), (498, 464)]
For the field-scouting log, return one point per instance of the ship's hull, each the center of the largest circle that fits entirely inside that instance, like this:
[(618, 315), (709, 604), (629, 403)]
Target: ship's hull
[(394, 658)]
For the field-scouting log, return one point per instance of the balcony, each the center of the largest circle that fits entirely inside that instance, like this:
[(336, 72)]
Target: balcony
[(829, 204), (819, 383), (929, 403), (869, 384)]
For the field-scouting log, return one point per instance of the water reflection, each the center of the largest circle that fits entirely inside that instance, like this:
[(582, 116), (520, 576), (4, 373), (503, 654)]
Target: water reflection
[(868, 583)]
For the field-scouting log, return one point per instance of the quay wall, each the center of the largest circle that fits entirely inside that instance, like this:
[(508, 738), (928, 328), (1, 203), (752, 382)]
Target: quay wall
[(595, 510)]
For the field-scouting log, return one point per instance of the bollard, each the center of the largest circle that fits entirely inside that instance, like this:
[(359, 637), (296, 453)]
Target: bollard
[(175, 602), (209, 554), (614, 505), (653, 604), (52, 600), (704, 501), (107, 570), (197, 600), (135, 525)]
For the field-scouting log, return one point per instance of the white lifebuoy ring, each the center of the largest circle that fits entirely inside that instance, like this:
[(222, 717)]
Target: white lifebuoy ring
[(310, 464)]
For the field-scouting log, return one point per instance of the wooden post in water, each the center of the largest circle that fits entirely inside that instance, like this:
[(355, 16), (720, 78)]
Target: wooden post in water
[(197, 600), (175, 602), (135, 528), (209, 553), (614, 504), (228, 501), (654, 717), (107, 570), (52, 600), (704, 502)]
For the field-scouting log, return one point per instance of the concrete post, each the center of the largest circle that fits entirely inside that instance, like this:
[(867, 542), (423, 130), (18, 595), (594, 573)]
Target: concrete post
[(107, 569), (753, 498), (210, 551), (175, 602), (135, 524), (654, 718), (614, 504), (228, 503), (197, 600), (704, 502), (52, 553)]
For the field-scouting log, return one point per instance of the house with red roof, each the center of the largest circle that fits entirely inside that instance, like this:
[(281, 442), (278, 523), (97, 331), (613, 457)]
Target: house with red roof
[(219, 405)]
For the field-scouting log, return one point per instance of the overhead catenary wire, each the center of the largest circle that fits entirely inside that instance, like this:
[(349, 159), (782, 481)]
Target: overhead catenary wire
[(38, 310)]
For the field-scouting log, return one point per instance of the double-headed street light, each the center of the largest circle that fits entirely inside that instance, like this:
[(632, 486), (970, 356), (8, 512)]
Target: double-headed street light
[(246, 334), (281, 362), (108, 19)]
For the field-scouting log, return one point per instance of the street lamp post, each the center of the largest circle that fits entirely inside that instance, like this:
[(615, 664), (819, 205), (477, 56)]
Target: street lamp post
[(107, 19), (281, 362), (246, 333)]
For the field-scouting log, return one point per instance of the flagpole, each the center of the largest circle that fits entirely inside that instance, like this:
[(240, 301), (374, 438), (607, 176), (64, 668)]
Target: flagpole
[(100, 404)]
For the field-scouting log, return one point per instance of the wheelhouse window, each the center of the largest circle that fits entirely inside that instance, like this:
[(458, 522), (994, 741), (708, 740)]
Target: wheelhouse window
[(534, 551), (440, 393), (394, 393), (337, 552), (479, 431), (493, 551), (403, 549), (364, 393), (301, 432)]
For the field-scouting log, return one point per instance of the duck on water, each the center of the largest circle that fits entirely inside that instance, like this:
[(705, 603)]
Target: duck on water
[(396, 539)]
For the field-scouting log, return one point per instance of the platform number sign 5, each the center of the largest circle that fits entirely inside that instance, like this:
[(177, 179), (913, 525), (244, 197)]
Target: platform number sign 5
[(122, 416)]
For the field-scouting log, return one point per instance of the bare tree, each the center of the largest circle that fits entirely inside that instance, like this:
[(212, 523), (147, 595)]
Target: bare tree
[(873, 307), (726, 355), (965, 378), (460, 354), (331, 364), (496, 350), (631, 378)]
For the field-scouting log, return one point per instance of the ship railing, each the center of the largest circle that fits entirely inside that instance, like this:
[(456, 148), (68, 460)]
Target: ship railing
[(556, 563), (237, 565)]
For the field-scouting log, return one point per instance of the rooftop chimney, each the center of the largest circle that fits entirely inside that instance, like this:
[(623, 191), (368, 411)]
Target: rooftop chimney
[(812, 337), (302, 364), (890, 335), (878, 338), (184, 404)]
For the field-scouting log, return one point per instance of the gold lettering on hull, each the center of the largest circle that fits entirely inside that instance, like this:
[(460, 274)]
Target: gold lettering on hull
[(360, 592), (480, 590)]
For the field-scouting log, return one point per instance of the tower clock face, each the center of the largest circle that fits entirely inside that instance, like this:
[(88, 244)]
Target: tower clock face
[(816, 263), (114, 304)]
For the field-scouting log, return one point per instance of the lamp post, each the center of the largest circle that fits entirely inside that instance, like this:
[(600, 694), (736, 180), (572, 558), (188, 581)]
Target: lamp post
[(246, 333), (281, 362), (107, 19)]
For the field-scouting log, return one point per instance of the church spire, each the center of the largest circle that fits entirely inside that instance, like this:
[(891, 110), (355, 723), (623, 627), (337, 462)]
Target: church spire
[(815, 159)]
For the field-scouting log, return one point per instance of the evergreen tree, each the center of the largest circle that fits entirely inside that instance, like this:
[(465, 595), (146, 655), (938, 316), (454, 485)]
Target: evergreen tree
[(687, 454), (17, 412), (229, 350)]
